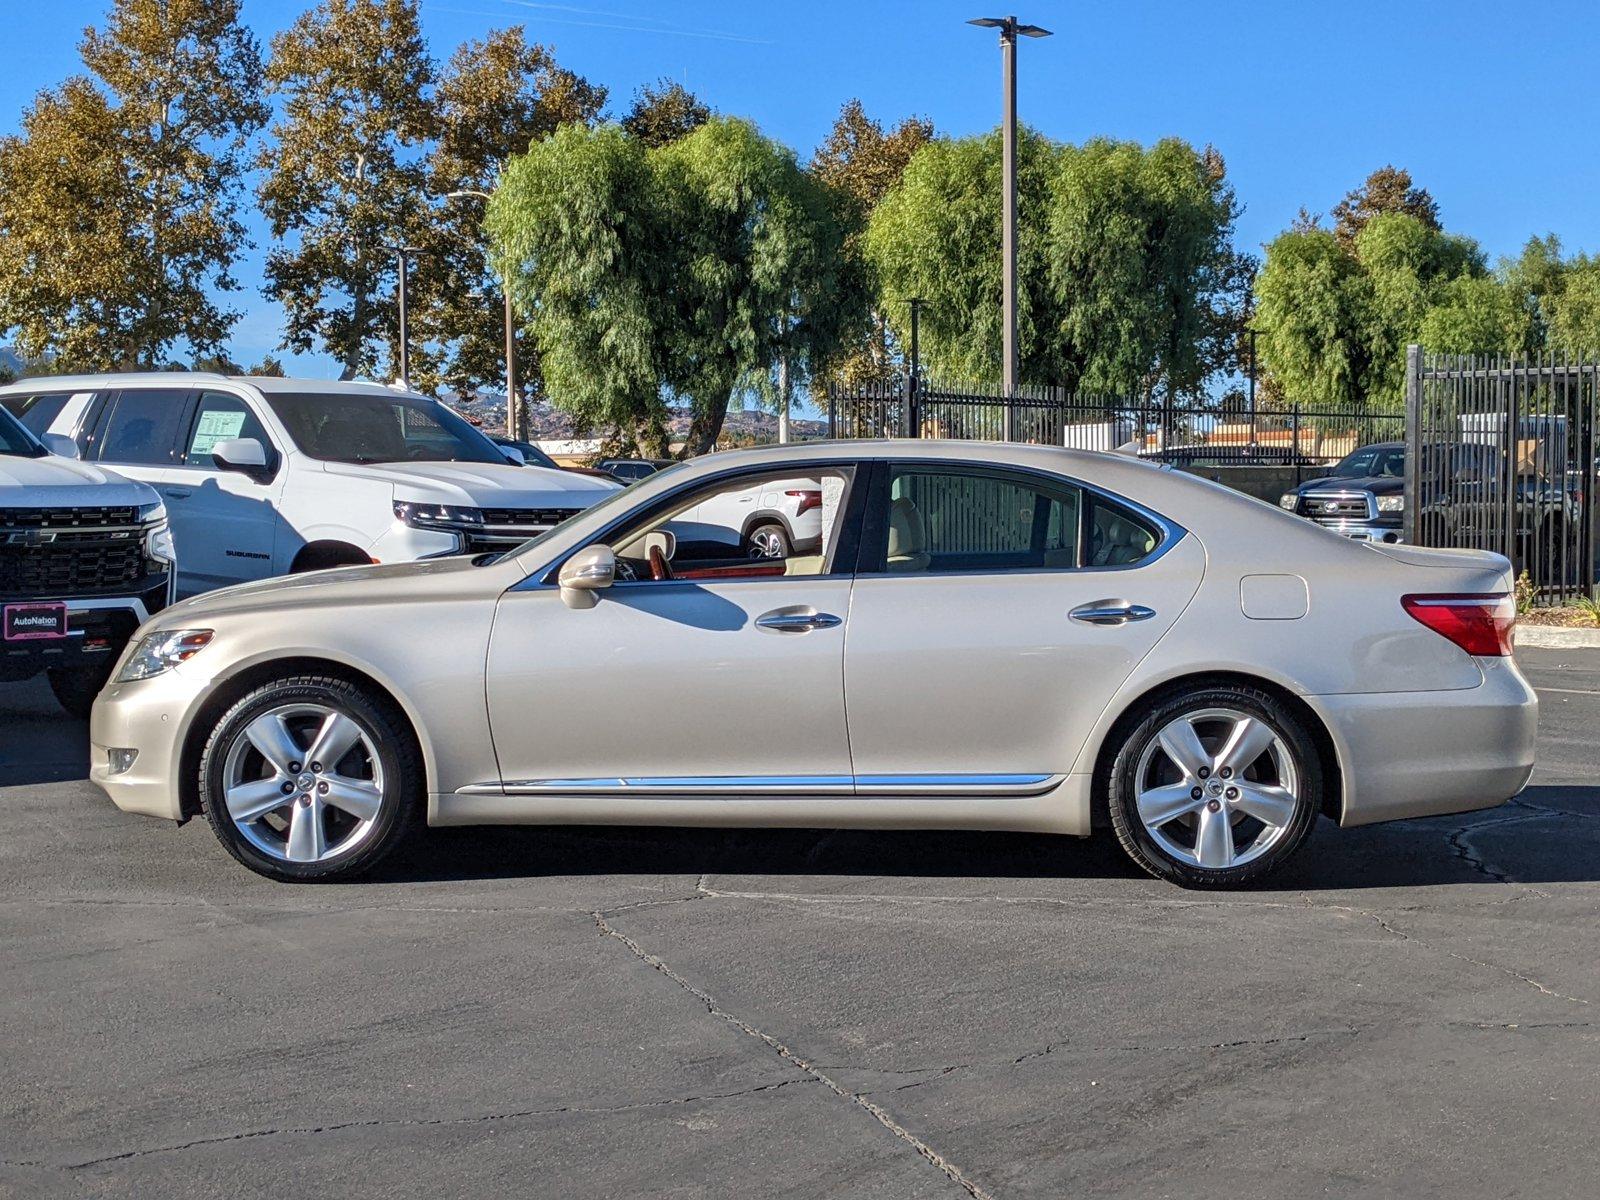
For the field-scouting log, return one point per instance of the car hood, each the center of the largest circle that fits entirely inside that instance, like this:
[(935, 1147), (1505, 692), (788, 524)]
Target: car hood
[(1378, 485), (56, 482), (481, 485), (335, 586)]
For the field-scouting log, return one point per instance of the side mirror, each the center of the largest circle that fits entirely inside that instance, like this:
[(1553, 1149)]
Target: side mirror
[(514, 456), (245, 455), (585, 573), (60, 445)]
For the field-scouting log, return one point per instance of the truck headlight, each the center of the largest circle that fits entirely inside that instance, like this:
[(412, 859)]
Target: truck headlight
[(160, 652), (1288, 500), (157, 533), (449, 517), (1391, 504)]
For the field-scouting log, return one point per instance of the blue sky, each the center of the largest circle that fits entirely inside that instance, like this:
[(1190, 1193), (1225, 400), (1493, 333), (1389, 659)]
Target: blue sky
[(1490, 105)]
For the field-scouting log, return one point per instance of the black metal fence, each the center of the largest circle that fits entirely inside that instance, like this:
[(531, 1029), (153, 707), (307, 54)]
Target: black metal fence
[(1501, 456), (1193, 435)]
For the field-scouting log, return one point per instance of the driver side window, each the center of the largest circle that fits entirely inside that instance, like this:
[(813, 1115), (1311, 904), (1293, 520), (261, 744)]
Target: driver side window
[(760, 526)]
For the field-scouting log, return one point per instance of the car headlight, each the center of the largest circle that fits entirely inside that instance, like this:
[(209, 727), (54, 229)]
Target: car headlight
[(1391, 504), (159, 652), (1288, 500), (436, 516)]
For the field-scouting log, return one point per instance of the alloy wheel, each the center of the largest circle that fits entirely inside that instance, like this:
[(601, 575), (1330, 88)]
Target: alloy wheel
[(766, 543), (303, 783), (1217, 788)]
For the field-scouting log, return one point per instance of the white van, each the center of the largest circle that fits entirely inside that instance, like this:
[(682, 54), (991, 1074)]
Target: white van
[(267, 476)]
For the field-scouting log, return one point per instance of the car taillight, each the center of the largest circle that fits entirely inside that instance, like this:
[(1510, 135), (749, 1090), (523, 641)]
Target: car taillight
[(1482, 624), (809, 499)]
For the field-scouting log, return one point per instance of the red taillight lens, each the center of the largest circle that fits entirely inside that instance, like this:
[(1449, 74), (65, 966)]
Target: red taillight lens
[(809, 499), (1482, 624)]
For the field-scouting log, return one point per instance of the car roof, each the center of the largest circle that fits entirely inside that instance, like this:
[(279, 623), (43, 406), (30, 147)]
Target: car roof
[(261, 383)]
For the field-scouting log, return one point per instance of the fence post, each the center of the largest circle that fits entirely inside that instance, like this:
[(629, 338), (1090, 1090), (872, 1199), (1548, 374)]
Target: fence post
[(833, 426), (1294, 442), (1413, 440)]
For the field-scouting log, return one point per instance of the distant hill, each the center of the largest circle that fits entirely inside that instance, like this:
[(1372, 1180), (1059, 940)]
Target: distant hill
[(546, 421), (10, 361)]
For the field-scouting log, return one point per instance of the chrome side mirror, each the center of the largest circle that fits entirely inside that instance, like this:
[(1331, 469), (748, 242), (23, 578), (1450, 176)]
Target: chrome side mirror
[(585, 573)]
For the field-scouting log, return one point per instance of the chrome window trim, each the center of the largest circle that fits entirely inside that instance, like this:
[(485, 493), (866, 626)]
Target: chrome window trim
[(776, 785)]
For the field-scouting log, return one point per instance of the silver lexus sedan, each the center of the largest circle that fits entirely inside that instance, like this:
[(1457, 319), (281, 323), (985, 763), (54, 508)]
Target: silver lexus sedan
[(988, 637)]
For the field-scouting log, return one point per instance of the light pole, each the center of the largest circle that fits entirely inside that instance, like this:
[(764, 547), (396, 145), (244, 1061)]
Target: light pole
[(404, 255), (1009, 29), (514, 422)]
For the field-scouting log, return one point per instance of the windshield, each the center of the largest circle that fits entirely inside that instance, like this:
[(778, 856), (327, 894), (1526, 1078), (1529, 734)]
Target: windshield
[(17, 441), (354, 428), (1372, 461)]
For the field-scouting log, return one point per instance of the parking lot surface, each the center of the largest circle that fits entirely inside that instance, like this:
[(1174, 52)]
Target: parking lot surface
[(1409, 1010)]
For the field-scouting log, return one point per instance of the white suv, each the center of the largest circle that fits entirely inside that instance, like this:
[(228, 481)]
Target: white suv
[(774, 519), (264, 476)]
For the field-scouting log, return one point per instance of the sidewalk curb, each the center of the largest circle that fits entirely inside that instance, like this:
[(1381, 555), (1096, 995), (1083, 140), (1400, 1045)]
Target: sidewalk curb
[(1557, 637)]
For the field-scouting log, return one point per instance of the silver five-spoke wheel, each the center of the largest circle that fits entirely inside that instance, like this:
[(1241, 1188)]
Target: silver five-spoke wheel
[(1217, 788), (303, 783), (768, 542)]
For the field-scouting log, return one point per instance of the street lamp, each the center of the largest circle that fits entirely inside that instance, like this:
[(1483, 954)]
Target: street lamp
[(404, 254), (514, 413), (1009, 29)]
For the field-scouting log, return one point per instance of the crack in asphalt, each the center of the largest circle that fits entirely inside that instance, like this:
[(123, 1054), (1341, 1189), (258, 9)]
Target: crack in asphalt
[(1460, 842), (1384, 924), (401, 1122), (949, 1169)]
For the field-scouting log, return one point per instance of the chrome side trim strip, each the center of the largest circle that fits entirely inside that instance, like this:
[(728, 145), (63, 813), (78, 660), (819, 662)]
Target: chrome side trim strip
[(775, 785)]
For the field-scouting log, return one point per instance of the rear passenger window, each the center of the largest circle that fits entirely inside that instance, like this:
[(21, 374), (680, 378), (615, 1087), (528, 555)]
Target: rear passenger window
[(143, 427), (37, 412)]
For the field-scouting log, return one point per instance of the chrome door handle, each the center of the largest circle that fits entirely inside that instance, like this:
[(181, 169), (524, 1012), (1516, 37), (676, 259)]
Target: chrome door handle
[(789, 621), (177, 493), (1105, 612)]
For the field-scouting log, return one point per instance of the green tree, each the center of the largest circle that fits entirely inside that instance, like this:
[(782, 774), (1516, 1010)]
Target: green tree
[(682, 271), (664, 112), (1475, 314), (344, 182), (495, 98), (1312, 311), (1389, 189), (860, 162), (119, 200)]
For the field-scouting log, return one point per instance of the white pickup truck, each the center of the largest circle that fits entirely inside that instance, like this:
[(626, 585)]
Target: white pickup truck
[(85, 558), (268, 476)]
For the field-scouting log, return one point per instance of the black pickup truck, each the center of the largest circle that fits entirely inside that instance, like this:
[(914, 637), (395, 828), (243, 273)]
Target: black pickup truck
[(1463, 500)]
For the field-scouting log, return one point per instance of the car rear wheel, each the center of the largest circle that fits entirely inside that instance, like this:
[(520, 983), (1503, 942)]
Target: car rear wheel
[(767, 541), (311, 778), (1215, 787)]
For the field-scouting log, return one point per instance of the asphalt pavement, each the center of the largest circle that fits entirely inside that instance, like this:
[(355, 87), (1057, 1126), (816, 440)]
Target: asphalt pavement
[(1408, 1010)]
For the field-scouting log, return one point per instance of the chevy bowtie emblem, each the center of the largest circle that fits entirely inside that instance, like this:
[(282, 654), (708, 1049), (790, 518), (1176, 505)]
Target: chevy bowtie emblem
[(30, 537)]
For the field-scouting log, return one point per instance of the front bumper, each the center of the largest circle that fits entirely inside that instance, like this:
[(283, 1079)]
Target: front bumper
[(151, 716), (1366, 531), (98, 627), (1425, 754)]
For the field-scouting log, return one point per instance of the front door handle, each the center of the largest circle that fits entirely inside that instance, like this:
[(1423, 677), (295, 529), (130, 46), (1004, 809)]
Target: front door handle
[(1111, 612), (789, 620), (177, 493)]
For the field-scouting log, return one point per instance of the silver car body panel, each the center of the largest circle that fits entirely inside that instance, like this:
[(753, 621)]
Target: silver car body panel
[(957, 677)]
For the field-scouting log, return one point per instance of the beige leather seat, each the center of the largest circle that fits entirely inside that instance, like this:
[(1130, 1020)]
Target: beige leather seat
[(908, 537)]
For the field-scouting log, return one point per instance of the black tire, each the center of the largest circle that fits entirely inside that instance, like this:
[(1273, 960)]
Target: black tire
[(76, 687), (380, 719), (1145, 728), (768, 540)]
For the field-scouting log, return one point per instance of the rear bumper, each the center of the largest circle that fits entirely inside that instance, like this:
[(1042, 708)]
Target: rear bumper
[(1425, 754)]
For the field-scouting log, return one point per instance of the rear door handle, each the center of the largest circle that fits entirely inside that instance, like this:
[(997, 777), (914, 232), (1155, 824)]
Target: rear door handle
[(1111, 612), (788, 620)]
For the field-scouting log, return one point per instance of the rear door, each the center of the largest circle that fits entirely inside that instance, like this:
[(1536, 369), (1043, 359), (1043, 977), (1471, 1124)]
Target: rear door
[(995, 615)]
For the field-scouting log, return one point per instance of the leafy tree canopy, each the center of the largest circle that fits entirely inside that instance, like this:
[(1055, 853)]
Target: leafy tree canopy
[(663, 112)]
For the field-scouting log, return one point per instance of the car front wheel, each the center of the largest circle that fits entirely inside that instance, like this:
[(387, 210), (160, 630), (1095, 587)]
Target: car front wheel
[(767, 541), (1215, 786), (311, 778)]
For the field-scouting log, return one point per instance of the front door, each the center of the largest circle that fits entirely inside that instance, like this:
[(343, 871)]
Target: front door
[(695, 673), (996, 615)]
